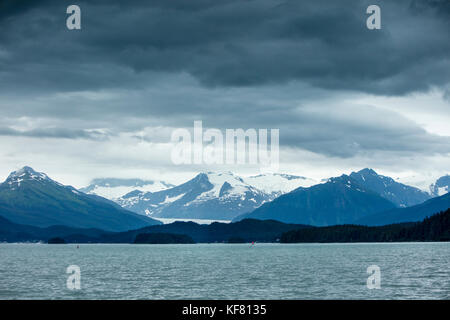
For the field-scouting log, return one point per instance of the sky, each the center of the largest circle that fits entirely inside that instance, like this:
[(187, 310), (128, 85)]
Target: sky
[(103, 101)]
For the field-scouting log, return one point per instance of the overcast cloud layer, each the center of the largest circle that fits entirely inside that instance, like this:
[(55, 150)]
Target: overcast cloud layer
[(103, 101)]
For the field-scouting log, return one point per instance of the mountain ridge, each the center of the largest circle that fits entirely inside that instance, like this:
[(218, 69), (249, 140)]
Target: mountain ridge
[(32, 198), (339, 200), (400, 194), (409, 214)]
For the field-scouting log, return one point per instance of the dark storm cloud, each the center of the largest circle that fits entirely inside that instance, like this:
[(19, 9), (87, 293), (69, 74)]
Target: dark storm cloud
[(227, 43), (440, 7), (10, 8), (230, 63)]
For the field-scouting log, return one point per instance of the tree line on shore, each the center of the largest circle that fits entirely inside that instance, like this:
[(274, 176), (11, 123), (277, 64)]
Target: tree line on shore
[(434, 228)]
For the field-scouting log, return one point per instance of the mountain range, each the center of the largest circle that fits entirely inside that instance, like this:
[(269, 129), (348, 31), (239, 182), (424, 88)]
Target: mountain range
[(348, 199), (338, 201), (214, 196), (32, 198), (363, 197), (225, 196)]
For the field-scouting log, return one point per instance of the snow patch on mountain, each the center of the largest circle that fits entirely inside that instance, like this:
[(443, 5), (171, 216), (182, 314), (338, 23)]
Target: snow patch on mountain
[(276, 184), (172, 199), (16, 178), (441, 186), (400, 194), (441, 191), (225, 185), (212, 196)]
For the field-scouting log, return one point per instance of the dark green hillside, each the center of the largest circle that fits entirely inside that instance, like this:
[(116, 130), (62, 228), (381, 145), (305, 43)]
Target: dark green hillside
[(410, 214), (434, 228)]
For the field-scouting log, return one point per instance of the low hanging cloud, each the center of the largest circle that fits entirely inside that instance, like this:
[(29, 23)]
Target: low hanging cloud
[(57, 133), (348, 131)]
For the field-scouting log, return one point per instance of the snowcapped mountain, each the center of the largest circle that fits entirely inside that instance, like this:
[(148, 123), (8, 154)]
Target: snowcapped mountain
[(340, 200), (32, 198), (441, 186), (113, 188), (25, 175), (215, 196), (277, 184), (401, 195), (212, 196)]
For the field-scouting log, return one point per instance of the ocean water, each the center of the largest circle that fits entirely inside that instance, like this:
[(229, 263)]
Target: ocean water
[(226, 271)]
